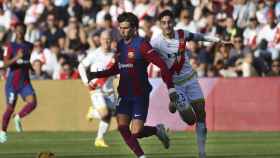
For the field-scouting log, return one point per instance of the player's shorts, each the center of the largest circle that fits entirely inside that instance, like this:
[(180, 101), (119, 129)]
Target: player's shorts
[(12, 93), (101, 100), (189, 93), (136, 107)]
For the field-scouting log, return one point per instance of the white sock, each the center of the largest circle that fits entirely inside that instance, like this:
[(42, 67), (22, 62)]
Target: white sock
[(96, 114), (103, 127), (143, 156), (201, 135)]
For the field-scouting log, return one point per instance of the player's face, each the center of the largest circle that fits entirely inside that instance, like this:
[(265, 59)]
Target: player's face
[(105, 41), (167, 24), (19, 32), (127, 32)]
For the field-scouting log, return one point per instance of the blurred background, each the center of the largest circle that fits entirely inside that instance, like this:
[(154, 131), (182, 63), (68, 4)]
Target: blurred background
[(241, 82), (65, 31)]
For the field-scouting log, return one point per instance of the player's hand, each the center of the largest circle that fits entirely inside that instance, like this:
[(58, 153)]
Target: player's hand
[(174, 101), (19, 54)]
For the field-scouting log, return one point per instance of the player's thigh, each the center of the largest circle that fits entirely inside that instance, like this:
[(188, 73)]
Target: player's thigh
[(28, 94), (11, 96), (123, 120), (194, 91), (110, 100), (140, 105), (124, 107), (99, 102)]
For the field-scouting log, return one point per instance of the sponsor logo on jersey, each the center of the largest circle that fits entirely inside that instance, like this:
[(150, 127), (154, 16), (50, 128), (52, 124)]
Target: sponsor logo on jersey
[(125, 66)]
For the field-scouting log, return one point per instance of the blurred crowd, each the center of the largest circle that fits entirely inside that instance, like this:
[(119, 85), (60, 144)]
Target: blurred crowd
[(65, 31)]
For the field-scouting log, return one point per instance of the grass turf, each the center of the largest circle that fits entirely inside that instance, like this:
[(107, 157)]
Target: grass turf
[(183, 145)]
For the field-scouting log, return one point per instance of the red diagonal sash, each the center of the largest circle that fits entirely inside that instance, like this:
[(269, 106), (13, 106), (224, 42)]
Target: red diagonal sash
[(180, 58)]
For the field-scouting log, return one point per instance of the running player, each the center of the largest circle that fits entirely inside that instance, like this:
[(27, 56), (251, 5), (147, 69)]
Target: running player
[(16, 58), (171, 46), (132, 58)]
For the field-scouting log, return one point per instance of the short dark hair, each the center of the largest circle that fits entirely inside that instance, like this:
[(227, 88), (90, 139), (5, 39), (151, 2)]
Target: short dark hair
[(129, 17), (166, 13), (22, 25)]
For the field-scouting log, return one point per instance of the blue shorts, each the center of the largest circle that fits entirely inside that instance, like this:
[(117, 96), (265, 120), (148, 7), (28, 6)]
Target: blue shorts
[(12, 93), (136, 107)]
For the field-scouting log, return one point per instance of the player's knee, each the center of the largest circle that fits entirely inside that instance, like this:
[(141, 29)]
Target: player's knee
[(188, 116), (104, 113), (10, 109), (199, 109), (33, 104), (123, 128), (136, 132)]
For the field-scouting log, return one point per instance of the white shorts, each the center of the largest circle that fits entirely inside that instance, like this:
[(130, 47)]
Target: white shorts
[(101, 100), (189, 93)]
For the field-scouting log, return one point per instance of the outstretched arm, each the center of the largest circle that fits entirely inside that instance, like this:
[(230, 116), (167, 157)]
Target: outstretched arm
[(201, 37), (106, 73)]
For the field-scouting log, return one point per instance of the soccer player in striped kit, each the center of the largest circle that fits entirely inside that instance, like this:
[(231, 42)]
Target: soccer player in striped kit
[(132, 58), (171, 46), (16, 58)]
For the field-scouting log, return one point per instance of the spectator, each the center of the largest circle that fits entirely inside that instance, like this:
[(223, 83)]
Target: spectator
[(52, 34), (186, 22), (37, 73), (67, 72), (250, 33), (275, 68), (75, 37)]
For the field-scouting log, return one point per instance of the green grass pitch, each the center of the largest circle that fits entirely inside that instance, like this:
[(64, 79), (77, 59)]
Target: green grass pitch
[(80, 145)]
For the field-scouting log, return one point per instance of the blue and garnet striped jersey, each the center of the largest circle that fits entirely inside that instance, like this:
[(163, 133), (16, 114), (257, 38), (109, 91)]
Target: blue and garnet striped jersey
[(131, 61), (18, 73)]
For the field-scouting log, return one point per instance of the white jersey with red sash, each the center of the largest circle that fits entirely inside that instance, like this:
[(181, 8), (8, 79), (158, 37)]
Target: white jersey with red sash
[(97, 61), (174, 53)]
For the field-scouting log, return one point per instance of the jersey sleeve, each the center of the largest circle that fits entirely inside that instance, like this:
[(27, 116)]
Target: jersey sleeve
[(7, 52), (199, 37), (88, 60), (152, 56)]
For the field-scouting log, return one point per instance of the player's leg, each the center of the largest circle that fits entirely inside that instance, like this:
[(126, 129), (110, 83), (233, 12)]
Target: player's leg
[(198, 104), (185, 110), (140, 112), (124, 116), (101, 112), (11, 98), (28, 95)]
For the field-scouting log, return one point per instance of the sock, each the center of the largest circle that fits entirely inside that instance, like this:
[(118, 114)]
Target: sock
[(96, 114), (103, 127), (6, 117), (131, 140), (147, 132), (201, 135), (28, 108)]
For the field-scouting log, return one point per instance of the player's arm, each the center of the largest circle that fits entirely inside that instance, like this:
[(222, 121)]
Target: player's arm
[(152, 56), (8, 61), (200, 37), (82, 67), (113, 70)]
